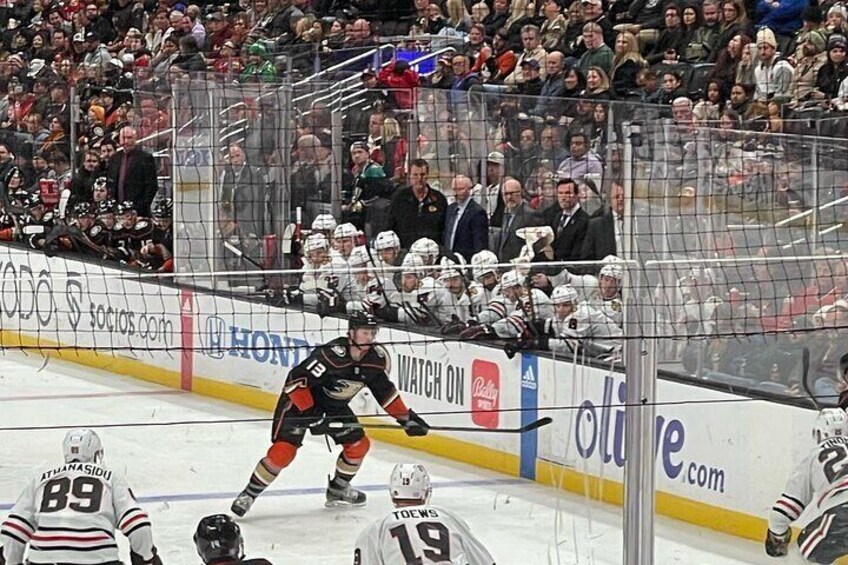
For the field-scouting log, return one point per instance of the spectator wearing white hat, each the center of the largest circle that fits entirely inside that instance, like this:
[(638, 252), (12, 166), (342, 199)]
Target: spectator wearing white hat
[(772, 75)]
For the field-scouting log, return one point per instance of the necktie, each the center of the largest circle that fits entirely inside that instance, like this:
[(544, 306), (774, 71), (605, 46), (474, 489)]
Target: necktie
[(507, 223), (563, 222), (122, 176)]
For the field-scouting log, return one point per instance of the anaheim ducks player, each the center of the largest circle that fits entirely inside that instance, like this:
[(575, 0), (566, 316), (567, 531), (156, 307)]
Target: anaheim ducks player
[(316, 393), (416, 531), (817, 488), (578, 326), (69, 514)]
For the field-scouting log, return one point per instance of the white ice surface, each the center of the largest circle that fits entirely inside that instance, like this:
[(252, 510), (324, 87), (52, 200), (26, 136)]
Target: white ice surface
[(185, 472)]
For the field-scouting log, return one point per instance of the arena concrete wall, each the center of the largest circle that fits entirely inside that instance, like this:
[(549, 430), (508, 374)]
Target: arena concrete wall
[(722, 459)]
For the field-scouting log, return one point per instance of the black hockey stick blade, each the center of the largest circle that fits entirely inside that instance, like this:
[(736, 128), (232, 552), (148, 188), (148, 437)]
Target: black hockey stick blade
[(523, 429), (805, 374)]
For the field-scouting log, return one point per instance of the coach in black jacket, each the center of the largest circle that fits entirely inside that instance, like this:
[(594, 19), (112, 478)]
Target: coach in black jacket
[(417, 210), (133, 173)]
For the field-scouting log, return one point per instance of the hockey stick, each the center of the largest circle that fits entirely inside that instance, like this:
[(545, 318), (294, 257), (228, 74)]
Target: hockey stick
[(241, 255), (523, 429), (805, 373)]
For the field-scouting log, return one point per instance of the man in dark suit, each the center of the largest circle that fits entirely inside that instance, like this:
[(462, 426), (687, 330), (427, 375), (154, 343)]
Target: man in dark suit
[(467, 224), (133, 173), (516, 215), (603, 236), (568, 220)]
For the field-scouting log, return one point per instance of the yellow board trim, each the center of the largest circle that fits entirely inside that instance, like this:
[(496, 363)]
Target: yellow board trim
[(698, 513)]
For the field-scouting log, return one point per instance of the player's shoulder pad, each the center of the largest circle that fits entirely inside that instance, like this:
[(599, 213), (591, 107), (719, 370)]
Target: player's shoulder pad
[(142, 225), (382, 358), (95, 230)]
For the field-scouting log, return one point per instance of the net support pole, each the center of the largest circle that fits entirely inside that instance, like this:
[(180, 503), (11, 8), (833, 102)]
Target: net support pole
[(640, 371)]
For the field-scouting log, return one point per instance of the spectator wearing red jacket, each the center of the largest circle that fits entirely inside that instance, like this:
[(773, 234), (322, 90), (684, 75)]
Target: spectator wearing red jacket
[(402, 81)]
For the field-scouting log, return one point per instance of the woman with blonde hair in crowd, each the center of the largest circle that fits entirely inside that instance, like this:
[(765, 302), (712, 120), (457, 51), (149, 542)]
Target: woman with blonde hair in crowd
[(626, 64), (479, 11), (458, 17), (395, 149), (597, 84)]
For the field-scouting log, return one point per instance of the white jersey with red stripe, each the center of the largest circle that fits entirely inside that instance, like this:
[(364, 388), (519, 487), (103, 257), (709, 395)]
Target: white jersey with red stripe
[(69, 514), (819, 481), (420, 534)]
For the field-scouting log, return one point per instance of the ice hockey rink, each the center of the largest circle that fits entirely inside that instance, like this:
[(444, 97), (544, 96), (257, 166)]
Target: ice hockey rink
[(184, 472)]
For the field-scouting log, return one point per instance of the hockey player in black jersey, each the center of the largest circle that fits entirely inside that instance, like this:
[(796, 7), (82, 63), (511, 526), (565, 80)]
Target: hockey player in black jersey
[(219, 542), (317, 393)]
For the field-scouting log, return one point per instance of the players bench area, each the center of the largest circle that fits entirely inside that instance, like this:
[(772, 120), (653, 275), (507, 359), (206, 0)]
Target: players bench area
[(716, 463)]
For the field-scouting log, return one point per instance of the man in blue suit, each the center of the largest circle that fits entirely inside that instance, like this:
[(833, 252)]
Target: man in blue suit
[(467, 224)]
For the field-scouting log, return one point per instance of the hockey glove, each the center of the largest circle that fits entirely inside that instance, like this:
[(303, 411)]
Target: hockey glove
[(777, 545), (477, 332), (453, 327), (415, 426), (137, 559)]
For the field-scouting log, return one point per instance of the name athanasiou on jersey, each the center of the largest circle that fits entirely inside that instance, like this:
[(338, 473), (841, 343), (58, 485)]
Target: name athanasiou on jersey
[(69, 514), (820, 478), (422, 535)]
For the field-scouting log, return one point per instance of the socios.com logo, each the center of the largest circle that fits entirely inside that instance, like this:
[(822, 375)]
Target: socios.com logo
[(599, 432)]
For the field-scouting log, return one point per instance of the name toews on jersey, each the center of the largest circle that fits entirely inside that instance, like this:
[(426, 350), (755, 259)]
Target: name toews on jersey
[(420, 534), (69, 514)]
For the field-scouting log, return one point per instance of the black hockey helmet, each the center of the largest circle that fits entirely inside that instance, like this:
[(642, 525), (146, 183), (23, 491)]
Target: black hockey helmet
[(163, 209), (82, 209), (105, 207), (125, 207), (218, 538), (362, 320)]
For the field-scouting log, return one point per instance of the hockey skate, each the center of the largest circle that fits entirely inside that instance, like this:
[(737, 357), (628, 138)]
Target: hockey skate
[(343, 496), (242, 504)]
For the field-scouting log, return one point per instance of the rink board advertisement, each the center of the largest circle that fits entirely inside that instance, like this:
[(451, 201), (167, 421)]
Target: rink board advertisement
[(721, 459)]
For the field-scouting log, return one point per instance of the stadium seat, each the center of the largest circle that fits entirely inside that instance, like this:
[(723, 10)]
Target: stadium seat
[(697, 79)]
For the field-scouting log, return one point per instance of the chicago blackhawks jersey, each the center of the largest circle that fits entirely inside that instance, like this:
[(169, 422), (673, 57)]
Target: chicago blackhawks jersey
[(821, 479), (69, 514), (419, 535)]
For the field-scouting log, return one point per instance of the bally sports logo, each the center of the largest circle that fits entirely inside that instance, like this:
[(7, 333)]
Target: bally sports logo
[(485, 394)]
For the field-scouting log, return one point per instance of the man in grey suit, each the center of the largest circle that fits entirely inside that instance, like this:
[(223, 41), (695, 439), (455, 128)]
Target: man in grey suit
[(466, 224), (516, 215)]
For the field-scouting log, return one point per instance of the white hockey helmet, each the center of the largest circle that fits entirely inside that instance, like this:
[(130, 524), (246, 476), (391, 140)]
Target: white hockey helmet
[(510, 279), (413, 265), (451, 268), (324, 222), (564, 293), (612, 270), (831, 422), (386, 240), (426, 248), (345, 230), (483, 263), (410, 482), (82, 445), (315, 242), (358, 257)]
